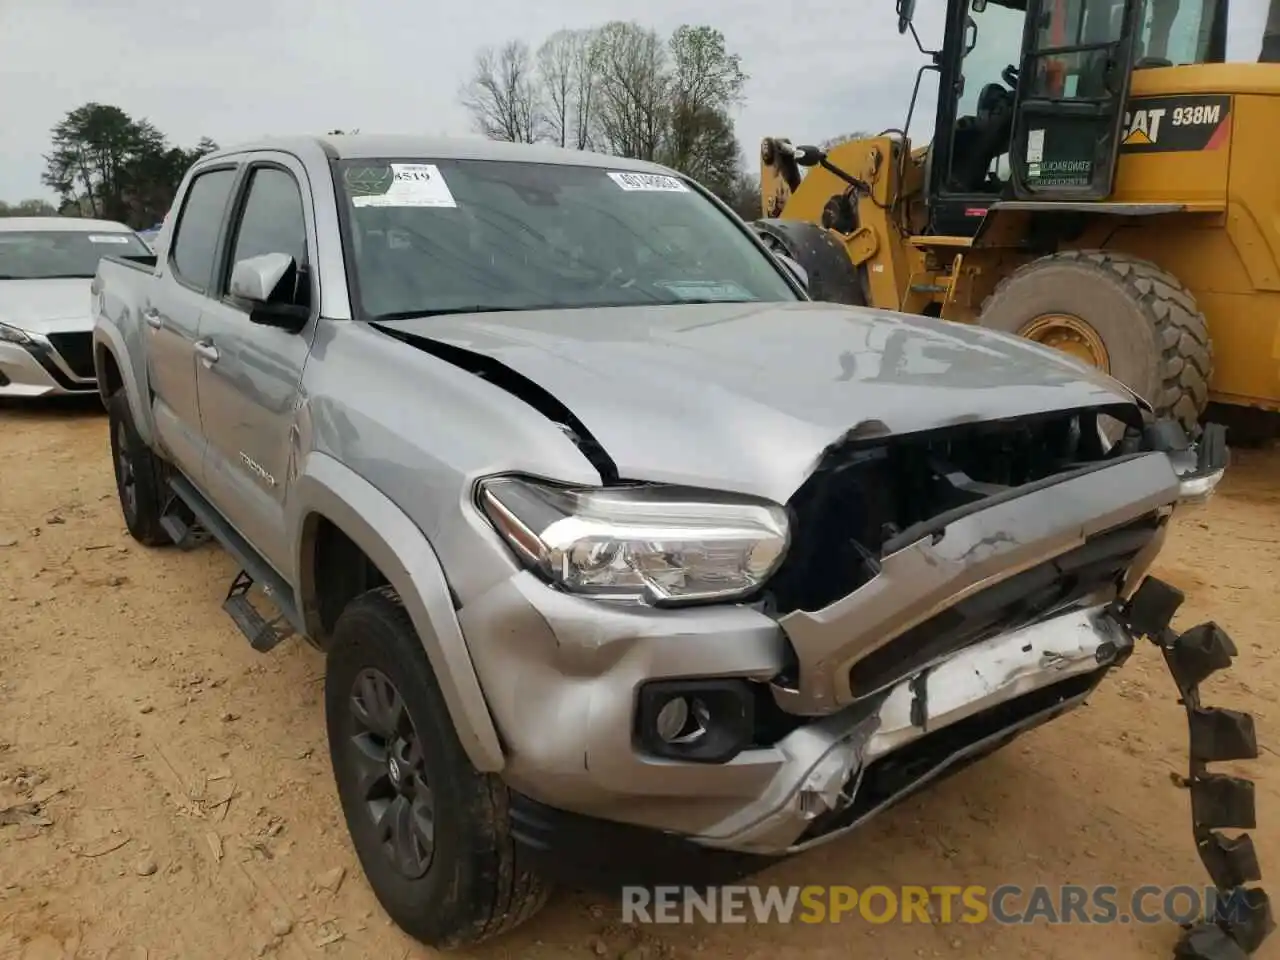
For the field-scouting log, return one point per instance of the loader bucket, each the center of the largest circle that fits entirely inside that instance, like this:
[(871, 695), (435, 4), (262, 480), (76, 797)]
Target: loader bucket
[(1241, 917)]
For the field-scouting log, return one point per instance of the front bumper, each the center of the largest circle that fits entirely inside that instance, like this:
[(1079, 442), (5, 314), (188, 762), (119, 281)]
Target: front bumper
[(565, 704), (38, 368), (829, 783)]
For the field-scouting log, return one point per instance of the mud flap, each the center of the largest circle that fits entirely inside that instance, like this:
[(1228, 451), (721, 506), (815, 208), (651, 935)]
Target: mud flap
[(1241, 917)]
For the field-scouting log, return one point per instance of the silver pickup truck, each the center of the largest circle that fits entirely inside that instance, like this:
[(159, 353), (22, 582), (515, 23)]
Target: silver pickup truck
[(630, 563)]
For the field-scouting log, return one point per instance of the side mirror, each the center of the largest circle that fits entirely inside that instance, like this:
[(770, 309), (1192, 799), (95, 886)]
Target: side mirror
[(906, 12), (260, 281), (794, 268)]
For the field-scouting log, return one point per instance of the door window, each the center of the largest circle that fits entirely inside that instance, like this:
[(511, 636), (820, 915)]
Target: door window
[(984, 110), (1076, 74), (273, 221), (1073, 86), (195, 238)]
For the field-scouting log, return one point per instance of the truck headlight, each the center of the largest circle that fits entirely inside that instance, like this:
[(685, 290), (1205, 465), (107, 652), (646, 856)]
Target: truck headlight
[(9, 334), (643, 544)]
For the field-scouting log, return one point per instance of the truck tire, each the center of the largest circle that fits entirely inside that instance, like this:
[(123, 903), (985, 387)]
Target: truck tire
[(432, 834), (1148, 327), (137, 470)]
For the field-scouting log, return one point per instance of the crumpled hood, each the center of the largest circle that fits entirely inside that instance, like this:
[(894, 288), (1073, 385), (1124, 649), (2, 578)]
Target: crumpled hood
[(47, 306), (746, 397)]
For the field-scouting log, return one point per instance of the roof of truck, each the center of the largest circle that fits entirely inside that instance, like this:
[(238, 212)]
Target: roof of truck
[(365, 146), (61, 223)]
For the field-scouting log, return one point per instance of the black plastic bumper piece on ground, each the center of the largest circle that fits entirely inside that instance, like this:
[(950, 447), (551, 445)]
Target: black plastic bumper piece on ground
[(602, 856), (1243, 917)]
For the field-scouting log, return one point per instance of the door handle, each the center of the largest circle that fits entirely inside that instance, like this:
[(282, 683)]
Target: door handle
[(206, 351), (152, 316)]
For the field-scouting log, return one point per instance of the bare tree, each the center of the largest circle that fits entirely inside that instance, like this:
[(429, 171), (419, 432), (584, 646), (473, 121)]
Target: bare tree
[(555, 73), (632, 108), (586, 87), (503, 96), (568, 64)]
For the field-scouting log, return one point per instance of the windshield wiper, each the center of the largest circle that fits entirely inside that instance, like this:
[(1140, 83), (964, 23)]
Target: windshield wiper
[(672, 303)]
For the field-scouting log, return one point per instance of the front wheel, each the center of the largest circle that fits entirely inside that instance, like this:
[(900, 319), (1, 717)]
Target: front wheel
[(432, 833), (1118, 313)]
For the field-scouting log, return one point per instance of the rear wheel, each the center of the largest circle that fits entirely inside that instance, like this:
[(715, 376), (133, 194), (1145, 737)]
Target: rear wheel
[(1118, 313), (137, 471), (432, 833)]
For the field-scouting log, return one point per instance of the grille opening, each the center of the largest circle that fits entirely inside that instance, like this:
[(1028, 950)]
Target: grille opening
[(865, 494), (899, 774), (76, 350)]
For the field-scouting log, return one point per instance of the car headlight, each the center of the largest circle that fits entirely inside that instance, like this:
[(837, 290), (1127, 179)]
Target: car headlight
[(641, 544), (13, 334)]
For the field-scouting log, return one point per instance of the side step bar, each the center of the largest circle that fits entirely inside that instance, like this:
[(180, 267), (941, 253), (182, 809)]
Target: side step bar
[(1241, 918), (181, 525), (263, 633)]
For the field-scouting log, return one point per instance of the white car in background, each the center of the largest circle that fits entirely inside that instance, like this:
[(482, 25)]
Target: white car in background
[(46, 313)]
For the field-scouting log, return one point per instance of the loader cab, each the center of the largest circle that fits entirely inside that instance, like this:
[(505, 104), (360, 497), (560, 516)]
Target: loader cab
[(1032, 95)]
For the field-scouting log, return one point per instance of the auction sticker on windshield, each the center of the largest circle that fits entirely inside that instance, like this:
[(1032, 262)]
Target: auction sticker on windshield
[(405, 185), (653, 182), (108, 238)]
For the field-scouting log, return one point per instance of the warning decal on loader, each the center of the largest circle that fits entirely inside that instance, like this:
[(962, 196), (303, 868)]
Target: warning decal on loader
[(1176, 124)]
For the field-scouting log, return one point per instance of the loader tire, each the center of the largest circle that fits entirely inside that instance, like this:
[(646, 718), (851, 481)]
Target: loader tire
[(832, 277), (1155, 337)]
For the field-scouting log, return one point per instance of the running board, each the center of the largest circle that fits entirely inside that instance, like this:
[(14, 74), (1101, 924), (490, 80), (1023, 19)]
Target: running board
[(263, 633), (1241, 916), (180, 524)]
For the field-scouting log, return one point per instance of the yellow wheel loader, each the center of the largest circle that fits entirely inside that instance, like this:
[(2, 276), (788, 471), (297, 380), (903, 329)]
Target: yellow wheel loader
[(1099, 181)]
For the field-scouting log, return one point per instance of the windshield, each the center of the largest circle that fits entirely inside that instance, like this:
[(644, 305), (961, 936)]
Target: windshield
[(471, 235), (46, 254)]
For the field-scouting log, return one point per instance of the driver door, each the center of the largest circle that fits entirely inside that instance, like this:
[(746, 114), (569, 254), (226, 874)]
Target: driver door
[(1072, 88)]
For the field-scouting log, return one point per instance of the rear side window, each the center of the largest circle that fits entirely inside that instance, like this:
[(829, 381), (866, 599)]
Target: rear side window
[(196, 234), (273, 221)]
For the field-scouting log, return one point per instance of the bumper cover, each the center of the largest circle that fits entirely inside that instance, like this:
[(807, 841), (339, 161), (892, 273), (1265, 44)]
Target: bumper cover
[(36, 369), (829, 761), (950, 715)]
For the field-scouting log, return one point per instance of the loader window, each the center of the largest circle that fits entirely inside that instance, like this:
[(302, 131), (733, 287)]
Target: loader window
[(984, 110), (1177, 32)]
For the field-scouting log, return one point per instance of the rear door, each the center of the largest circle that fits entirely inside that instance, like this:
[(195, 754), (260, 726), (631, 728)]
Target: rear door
[(1073, 84), (171, 314)]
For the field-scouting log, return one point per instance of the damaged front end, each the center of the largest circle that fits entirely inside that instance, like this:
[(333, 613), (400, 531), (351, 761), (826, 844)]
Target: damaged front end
[(908, 549), (946, 591)]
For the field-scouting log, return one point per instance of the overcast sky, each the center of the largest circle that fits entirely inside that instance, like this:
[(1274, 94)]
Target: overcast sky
[(240, 69)]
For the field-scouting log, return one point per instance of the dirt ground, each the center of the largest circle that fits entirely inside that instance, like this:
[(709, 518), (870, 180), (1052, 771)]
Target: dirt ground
[(186, 808)]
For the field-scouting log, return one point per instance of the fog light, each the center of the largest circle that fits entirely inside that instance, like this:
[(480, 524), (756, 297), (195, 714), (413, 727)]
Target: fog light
[(672, 719), (699, 721)]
